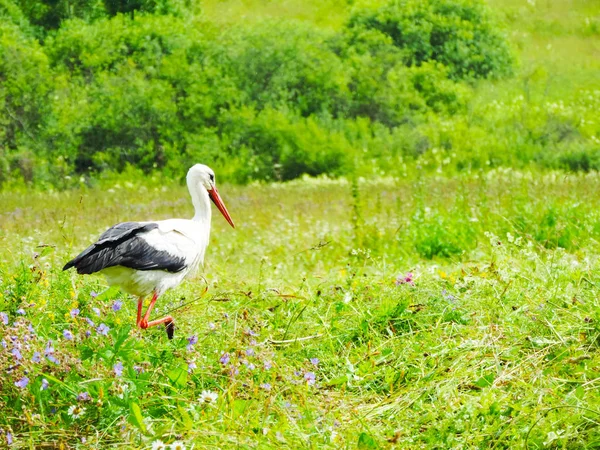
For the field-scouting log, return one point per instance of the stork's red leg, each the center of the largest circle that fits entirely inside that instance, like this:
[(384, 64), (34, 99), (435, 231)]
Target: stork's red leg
[(139, 311), (143, 322)]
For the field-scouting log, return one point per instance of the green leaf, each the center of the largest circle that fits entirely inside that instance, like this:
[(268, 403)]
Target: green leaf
[(178, 376), (485, 381), (338, 381), (108, 294), (136, 417), (185, 417), (366, 441)]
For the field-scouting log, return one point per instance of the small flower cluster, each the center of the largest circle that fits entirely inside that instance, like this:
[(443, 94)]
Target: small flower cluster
[(405, 279)]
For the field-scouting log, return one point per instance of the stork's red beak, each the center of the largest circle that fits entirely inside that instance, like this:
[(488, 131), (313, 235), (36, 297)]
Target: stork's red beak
[(214, 196)]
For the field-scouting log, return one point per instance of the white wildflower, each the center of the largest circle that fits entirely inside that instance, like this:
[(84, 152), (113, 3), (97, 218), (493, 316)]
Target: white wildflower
[(208, 397), (159, 445), (177, 445), (76, 411), (121, 389)]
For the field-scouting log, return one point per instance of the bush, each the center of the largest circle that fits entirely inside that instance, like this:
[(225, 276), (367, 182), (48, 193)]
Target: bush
[(284, 65), (269, 100), (24, 88), (273, 145), (457, 33)]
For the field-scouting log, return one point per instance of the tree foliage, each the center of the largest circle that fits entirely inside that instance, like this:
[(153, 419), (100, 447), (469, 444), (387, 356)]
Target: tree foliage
[(457, 33), (164, 88)]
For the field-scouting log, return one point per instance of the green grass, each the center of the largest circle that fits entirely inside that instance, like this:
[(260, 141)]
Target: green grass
[(494, 346)]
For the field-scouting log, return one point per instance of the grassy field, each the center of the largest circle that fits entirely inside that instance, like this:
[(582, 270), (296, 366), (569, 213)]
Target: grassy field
[(409, 312), (413, 313)]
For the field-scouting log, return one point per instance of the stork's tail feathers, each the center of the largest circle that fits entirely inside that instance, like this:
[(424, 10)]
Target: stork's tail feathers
[(82, 262)]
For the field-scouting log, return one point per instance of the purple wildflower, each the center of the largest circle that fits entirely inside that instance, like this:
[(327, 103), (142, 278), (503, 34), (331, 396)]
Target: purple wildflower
[(89, 321), (88, 333), (224, 358), (138, 369), (9, 438), (314, 361), (36, 358), (116, 306), (211, 325), (103, 329), (4, 344), (84, 397), (49, 353), (408, 279), (268, 365), (118, 368), (17, 354), (21, 311), (44, 385), (97, 311), (309, 377), (192, 340), (191, 366), (30, 329), (93, 294), (250, 332), (449, 297), (23, 382), (249, 352), (4, 318), (68, 335), (74, 312), (251, 366), (266, 386)]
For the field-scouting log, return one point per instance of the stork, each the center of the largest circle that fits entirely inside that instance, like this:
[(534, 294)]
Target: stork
[(146, 258)]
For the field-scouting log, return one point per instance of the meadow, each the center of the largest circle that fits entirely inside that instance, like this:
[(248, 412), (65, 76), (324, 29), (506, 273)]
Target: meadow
[(406, 313), (435, 287)]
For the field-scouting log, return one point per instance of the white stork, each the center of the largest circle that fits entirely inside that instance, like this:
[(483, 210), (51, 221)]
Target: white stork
[(146, 258)]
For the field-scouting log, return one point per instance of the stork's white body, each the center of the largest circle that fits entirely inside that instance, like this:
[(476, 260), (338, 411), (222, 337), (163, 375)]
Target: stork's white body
[(152, 257), (179, 238)]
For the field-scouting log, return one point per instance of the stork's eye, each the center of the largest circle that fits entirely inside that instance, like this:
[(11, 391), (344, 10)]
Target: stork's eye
[(212, 177)]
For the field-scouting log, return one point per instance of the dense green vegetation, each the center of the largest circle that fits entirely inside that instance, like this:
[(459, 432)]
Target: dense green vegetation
[(90, 87), (433, 313), (440, 293)]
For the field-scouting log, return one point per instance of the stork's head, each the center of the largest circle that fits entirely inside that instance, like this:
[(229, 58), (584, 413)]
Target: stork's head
[(203, 177)]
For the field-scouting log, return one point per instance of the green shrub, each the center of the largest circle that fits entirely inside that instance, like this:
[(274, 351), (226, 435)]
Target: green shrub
[(25, 83), (284, 65), (457, 33), (270, 100), (273, 145), (576, 157)]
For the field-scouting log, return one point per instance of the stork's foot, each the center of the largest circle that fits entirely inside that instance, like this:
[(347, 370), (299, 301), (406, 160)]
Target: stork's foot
[(170, 329), (168, 321)]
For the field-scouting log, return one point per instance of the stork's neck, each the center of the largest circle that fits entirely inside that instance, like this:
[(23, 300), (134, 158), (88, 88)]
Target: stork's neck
[(201, 203)]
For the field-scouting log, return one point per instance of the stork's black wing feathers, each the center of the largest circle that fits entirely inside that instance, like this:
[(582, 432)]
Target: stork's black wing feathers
[(122, 245)]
